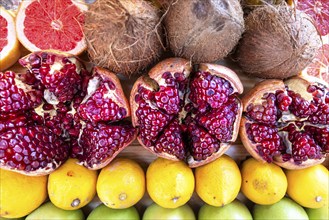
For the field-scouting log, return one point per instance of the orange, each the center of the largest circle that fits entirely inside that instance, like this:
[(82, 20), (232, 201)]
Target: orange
[(218, 182), (9, 44), (20, 194), (121, 184), (170, 184), (45, 25), (72, 186), (263, 183), (309, 187)]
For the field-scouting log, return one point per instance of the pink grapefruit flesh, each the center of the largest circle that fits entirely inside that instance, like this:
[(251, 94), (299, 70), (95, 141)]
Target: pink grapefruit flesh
[(56, 25), (319, 11)]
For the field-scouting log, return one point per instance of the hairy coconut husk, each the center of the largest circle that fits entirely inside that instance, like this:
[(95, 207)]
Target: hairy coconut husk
[(278, 42), (123, 35), (204, 30)]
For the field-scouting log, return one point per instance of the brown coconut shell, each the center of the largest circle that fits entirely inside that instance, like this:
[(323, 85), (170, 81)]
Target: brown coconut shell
[(204, 31), (278, 42), (123, 36)]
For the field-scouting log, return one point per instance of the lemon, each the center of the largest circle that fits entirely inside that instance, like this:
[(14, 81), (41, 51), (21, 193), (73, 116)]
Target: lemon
[(121, 184), (218, 182), (309, 187), (170, 184), (20, 194), (263, 183), (72, 186)]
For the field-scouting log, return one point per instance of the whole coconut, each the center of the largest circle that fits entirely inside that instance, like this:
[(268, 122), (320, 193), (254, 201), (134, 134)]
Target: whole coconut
[(123, 35), (278, 42), (204, 30)]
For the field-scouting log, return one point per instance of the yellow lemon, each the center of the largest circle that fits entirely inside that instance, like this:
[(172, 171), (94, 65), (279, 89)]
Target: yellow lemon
[(263, 183), (309, 187), (20, 194), (218, 182), (170, 184), (121, 184), (72, 186)]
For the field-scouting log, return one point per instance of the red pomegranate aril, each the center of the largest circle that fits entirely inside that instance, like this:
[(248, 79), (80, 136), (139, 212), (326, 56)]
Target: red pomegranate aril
[(266, 112), (269, 143), (151, 121), (219, 122), (167, 98), (320, 135), (105, 100), (182, 116), (203, 145), (33, 150), (298, 137), (13, 120), (209, 90), (102, 142), (15, 96), (60, 77), (171, 141), (283, 100)]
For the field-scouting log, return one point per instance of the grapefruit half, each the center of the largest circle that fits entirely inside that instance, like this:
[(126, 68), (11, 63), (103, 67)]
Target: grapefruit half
[(51, 25), (9, 45), (320, 64), (319, 11)]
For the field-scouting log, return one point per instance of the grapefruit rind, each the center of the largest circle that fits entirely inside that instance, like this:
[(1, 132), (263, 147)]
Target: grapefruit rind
[(10, 53)]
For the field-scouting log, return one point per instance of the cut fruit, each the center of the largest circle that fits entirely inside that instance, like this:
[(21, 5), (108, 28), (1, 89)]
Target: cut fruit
[(9, 44), (320, 64), (319, 11), (56, 25)]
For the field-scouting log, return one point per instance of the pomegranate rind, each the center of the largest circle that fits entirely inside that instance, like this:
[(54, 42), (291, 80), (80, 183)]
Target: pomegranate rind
[(20, 18), (11, 52), (225, 73), (290, 165), (263, 87), (194, 163)]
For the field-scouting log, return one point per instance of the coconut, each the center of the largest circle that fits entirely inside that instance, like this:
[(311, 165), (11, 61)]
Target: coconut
[(278, 42), (123, 35), (204, 30)]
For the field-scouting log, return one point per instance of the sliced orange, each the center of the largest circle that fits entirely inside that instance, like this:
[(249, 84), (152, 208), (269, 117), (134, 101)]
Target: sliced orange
[(51, 25), (9, 44)]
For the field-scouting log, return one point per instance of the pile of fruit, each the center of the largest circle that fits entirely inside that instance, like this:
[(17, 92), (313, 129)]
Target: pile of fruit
[(67, 69)]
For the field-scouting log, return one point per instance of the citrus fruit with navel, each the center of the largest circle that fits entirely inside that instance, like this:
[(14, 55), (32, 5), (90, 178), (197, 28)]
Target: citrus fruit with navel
[(170, 184), (20, 194), (218, 182), (309, 187), (263, 183), (72, 186), (121, 184)]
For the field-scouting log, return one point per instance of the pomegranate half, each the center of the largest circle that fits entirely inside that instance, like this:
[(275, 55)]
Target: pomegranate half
[(57, 109), (187, 115), (287, 122)]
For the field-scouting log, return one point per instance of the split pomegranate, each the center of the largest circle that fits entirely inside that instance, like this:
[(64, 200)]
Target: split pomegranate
[(58, 109), (185, 115), (287, 122)]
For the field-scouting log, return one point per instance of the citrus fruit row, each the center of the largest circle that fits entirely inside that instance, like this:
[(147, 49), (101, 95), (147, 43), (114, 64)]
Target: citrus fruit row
[(169, 184)]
